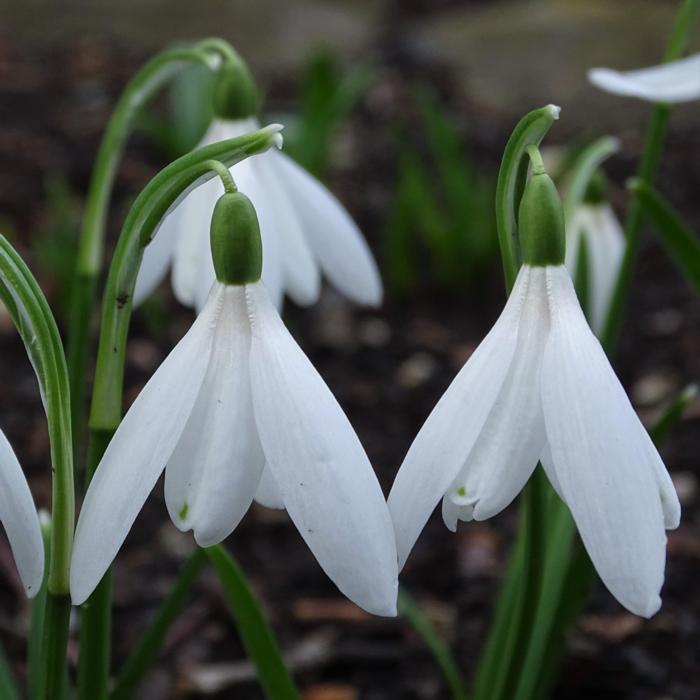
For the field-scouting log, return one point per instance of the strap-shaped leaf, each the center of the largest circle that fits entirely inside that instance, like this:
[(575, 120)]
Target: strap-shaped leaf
[(161, 194), (252, 627), (512, 175), (675, 235), (32, 316)]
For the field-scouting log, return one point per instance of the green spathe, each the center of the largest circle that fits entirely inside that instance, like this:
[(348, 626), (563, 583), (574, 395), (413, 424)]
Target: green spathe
[(235, 94), (541, 222), (235, 240)]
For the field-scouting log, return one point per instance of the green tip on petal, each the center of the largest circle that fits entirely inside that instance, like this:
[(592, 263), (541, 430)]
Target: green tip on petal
[(235, 94), (541, 218), (236, 247)]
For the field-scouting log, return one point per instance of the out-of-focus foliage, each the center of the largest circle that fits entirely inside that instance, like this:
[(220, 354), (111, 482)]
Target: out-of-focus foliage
[(328, 94), (442, 225), (54, 243), (189, 113)]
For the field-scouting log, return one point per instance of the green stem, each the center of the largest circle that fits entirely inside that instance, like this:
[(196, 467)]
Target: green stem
[(96, 613), (144, 655), (142, 87), (53, 668), (648, 167)]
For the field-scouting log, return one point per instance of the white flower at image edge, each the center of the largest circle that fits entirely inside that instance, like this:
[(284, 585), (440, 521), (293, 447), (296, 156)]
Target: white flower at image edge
[(678, 81), (600, 231), (304, 228), (237, 395), (20, 520), (539, 387)]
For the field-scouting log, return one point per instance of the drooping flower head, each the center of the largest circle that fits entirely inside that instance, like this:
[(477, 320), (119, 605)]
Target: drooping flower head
[(595, 233), (677, 81), (539, 387), (305, 230), (20, 520), (235, 409)]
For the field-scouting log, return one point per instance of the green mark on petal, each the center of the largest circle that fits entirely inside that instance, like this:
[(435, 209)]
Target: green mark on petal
[(183, 511), (462, 491)]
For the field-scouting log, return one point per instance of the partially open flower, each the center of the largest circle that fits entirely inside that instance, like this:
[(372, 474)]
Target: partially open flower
[(20, 520), (540, 387), (305, 230), (678, 81), (236, 395)]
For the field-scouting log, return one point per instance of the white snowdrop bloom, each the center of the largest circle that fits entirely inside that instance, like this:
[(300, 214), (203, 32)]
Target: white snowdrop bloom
[(540, 387), (678, 81), (236, 396), (305, 232), (20, 520), (597, 226)]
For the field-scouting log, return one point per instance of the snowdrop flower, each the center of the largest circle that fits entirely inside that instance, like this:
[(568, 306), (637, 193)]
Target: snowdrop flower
[(539, 387), (678, 81), (305, 230), (595, 226), (20, 520), (235, 395)]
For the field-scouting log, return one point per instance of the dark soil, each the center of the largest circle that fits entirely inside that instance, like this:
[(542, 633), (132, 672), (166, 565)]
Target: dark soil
[(387, 369)]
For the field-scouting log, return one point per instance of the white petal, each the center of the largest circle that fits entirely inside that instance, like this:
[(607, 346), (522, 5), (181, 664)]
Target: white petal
[(213, 472), (138, 452), (510, 443), (604, 465), (268, 493), (193, 269), (452, 512), (678, 81), (157, 257), (300, 271), (448, 435), (249, 182), (319, 465), (19, 517), (335, 240)]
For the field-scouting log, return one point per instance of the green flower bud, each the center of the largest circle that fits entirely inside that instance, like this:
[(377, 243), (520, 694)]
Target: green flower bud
[(235, 93), (541, 220), (235, 240), (595, 192)]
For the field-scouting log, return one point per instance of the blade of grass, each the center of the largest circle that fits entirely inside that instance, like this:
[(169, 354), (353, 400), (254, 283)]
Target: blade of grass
[(253, 628), (409, 609)]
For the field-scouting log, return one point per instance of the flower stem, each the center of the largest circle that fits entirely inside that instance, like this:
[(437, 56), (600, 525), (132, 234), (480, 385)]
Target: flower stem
[(648, 167), (95, 614), (142, 87), (52, 672)]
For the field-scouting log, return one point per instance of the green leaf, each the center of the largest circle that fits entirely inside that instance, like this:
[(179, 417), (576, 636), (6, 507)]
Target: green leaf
[(512, 175), (253, 628), (409, 609), (680, 242), (33, 319), (145, 653)]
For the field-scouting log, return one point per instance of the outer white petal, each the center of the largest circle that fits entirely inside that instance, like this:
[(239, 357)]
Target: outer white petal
[(193, 269), (268, 493), (327, 483), (157, 257), (138, 452), (601, 453), (248, 179), (447, 437), (510, 443), (19, 517), (678, 81), (300, 271), (214, 470), (334, 237)]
